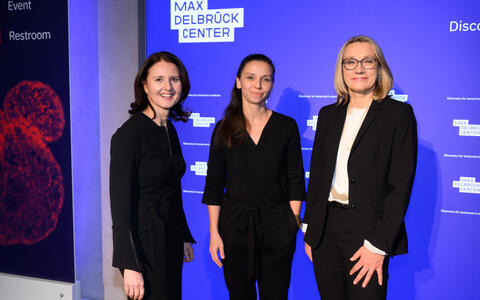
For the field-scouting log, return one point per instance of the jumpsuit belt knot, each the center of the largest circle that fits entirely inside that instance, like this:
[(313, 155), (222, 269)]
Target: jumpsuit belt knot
[(252, 226)]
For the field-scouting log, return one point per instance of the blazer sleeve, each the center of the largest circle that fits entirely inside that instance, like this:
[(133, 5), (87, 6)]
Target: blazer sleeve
[(123, 165), (315, 163), (216, 173), (401, 173), (295, 171)]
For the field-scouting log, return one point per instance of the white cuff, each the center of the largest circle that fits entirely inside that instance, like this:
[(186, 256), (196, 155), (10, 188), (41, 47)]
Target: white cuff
[(372, 248), (304, 227)]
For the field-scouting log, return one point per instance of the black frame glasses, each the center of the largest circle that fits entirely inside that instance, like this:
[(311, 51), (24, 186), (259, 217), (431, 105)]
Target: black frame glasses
[(367, 63)]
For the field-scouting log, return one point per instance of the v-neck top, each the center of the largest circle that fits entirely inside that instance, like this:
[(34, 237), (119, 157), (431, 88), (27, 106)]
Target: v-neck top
[(256, 175), (261, 133), (146, 168)]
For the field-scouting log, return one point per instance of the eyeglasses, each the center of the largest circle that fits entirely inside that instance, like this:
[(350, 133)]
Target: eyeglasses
[(367, 63)]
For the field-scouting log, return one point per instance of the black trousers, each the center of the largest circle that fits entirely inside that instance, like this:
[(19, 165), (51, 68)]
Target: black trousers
[(161, 253), (259, 246), (168, 285), (331, 263)]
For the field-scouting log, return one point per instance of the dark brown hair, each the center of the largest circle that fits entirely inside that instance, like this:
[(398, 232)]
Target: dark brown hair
[(141, 100), (233, 129)]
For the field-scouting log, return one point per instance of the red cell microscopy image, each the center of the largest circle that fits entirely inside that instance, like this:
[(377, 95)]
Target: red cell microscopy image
[(37, 103), (31, 181)]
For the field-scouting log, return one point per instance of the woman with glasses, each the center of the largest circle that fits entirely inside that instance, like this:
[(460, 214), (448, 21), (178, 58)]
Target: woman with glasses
[(254, 186), (361, 175)]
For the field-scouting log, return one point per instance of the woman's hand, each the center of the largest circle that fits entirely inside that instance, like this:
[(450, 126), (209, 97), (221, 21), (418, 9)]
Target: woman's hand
[(133, 284), (368, 263), (308, 251), (216, 245), (187, 252)]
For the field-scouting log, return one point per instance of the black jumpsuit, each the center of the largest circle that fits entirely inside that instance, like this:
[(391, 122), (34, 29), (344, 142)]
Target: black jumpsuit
[(254, 184), (149, 225)]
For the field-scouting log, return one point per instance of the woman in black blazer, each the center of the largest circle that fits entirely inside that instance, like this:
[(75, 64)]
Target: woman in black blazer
[(361, 175), (150, 233)]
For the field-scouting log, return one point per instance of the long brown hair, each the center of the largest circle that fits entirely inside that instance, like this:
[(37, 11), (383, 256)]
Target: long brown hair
[(232, 130), (141, 100)]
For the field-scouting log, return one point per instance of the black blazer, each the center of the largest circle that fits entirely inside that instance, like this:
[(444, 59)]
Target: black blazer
[(381, 169)]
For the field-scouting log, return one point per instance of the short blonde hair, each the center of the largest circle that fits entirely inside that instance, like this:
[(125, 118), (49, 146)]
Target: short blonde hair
[(384, 82)]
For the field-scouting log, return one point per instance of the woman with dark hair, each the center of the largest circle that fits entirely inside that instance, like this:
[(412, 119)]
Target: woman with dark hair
[(254, 185), (361, 175), (151, 237)]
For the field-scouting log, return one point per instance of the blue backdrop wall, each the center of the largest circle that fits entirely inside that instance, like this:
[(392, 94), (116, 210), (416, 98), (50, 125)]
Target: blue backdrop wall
[(432, 49)]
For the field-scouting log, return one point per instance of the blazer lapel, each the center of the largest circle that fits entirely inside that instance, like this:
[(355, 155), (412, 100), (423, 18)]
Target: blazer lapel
[(336, 134), (369, 118)]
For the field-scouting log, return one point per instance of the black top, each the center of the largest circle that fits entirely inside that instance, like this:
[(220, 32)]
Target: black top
[(258, 175), (145, 171)]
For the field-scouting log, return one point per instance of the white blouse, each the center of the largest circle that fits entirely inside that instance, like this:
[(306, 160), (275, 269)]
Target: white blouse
[(353, 121)]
